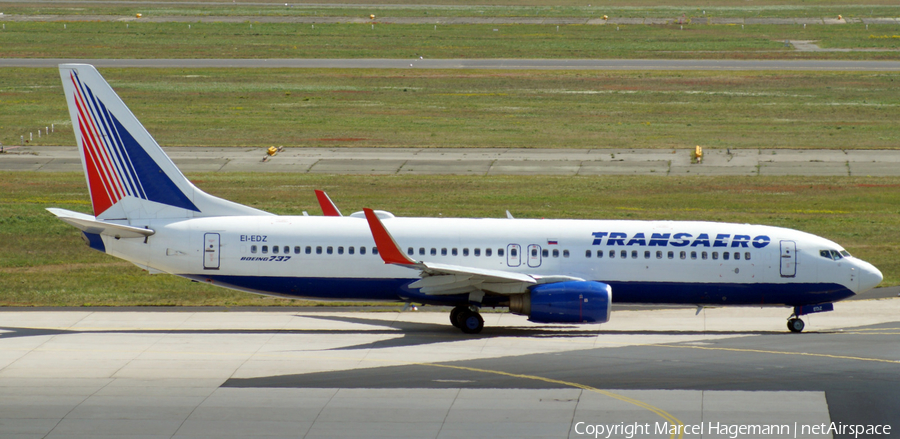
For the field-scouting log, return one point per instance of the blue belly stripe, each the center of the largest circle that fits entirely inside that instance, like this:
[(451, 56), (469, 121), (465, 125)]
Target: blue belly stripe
[(794, 294)]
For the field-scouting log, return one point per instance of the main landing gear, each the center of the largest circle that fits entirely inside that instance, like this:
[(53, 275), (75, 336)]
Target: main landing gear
[(467, 319)]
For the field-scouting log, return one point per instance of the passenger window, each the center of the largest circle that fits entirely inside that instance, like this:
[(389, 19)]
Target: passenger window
[(296, 249), (545, 253), (330, 250), (252, 249), (374, 250), (725, 255), (308, 250), (265, 249), (487, 252), (704, 255), (555, 253), (715, 255), (737, 255), (287, 250), (612, 253), (634, 254), (646, 254), (587, 253), (444, 251), (599, 253), (350, 250), (671, 254), (746, 256), (659, 254), (318, 249), (500, 252), (275, 249), (340, 250), (624, 254), (477, 252), (421, 251), (362, 250), (693, 255), (465, 251), (410, 251), (565, 253), (433, 251), (683, 255)]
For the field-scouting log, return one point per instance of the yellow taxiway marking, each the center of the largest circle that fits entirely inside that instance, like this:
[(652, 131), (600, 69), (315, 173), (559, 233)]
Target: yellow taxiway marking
[(662, 413), (761, 351)]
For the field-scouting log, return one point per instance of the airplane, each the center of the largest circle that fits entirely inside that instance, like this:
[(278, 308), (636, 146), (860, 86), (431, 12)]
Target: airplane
[(551, 270)]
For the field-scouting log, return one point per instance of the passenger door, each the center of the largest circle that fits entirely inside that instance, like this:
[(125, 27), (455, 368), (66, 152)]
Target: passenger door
[(211, 251), (788, 259)]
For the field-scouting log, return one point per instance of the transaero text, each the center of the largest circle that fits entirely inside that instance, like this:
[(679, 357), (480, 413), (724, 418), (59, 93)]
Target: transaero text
[(732, 431), (680, 240)]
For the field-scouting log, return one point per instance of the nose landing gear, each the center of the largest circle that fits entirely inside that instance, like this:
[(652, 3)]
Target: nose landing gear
[(795, 324)]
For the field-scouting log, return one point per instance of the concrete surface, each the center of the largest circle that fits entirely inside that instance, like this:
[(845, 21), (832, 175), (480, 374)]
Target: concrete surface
[(291, 373), (498, 161)]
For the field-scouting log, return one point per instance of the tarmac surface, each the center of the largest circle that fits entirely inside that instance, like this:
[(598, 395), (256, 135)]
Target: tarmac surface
[(492, 161), (490, 64), (304, 374)]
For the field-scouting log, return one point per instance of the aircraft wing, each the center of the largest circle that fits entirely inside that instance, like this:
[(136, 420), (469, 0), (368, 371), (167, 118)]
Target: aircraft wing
[(438, 279), (90, 224)]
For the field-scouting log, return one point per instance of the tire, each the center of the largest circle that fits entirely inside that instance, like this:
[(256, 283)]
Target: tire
[(454, 316), (470, 322), (795, 325)]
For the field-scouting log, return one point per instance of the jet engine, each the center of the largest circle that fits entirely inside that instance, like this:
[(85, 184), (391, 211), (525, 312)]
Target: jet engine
[(564, 302)]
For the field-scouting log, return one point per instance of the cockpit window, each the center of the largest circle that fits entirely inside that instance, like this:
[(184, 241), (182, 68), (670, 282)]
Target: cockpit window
[(845, 253), (834, 254)]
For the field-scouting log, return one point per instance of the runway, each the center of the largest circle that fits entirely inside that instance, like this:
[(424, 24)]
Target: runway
[(489, 64), (306, 374), (492, 161)]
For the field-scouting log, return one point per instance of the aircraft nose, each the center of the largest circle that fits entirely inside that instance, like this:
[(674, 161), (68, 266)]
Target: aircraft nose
[(869, 277)]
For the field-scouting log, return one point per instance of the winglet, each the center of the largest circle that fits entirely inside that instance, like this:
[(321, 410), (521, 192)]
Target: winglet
[(388, 249), (328, 206)]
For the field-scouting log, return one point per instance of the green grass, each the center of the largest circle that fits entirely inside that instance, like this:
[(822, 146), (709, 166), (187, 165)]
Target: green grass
[(505, 109), (290, 40), (44, 263), (477, 8)]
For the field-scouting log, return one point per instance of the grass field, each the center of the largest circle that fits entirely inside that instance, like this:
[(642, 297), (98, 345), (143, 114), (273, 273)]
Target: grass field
[(518, 109), (44, 263), (478, 8), (290, 40)]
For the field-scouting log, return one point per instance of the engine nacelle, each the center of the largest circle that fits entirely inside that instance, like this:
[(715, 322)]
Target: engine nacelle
[(564, 302)]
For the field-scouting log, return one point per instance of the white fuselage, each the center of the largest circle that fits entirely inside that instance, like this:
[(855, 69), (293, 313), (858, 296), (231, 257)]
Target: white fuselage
[(643, 261)]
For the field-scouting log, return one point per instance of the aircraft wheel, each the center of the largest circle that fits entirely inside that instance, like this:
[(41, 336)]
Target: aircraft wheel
[(454, 315), (470, 321), (795, 325)]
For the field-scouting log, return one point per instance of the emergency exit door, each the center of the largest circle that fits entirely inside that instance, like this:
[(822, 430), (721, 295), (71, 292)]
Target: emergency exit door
[(788, 259), (211, 251)]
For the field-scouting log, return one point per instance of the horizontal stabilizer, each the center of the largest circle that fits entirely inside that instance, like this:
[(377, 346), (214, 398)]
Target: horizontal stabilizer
[(90, 224)]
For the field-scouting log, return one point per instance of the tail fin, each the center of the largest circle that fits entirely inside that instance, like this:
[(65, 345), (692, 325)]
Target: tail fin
[(128, 174)]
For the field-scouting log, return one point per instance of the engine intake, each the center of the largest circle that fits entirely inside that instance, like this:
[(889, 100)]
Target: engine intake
[(564, 302)]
